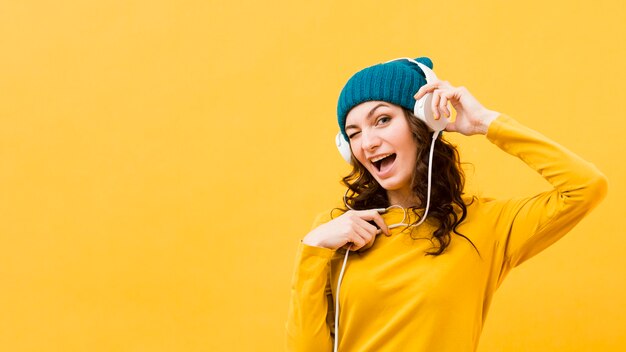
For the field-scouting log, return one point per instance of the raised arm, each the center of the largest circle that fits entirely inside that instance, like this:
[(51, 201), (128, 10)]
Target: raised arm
[(531, 224), (526, 225)]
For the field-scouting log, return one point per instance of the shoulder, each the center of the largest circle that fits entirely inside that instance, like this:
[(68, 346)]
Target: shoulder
[(479, 205), (474, 202), (327, 215), (502, 211)]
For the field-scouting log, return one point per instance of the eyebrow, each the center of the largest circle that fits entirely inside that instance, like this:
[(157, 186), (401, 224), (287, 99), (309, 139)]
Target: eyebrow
[(369, 115)]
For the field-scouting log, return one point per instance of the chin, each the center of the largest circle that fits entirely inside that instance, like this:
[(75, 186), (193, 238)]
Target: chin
[(391, 185)]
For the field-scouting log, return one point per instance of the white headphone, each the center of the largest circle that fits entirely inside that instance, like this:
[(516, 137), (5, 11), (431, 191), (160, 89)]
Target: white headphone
[(423, 110)]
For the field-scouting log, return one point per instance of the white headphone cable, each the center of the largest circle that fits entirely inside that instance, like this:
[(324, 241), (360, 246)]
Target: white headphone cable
[(430, 176), (345, 259), (343, 269)]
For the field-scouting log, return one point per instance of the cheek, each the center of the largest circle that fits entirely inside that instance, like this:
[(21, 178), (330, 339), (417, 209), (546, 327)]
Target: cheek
[(362, 160), (411, 154), (357, 151)]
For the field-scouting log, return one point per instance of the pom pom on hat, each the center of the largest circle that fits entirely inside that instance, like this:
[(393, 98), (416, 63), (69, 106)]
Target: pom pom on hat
[(394, 82)]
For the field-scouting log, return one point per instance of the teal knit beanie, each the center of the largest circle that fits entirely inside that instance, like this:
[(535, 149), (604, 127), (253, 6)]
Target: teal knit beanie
[(394, 82)]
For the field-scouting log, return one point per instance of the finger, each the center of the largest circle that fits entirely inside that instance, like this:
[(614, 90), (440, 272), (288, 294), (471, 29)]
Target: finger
[(451, 127), (435, 103), (430, 87), (452, 96), (426, 88), (369, 244), (368, 238), (443, 105), (377, 218), (357, 240), (367, 233), (381, 226), (366, 226), (420, 92), (444, 84)]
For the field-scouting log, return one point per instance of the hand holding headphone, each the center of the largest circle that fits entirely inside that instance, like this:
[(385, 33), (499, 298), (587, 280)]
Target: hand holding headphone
[(471, 118)]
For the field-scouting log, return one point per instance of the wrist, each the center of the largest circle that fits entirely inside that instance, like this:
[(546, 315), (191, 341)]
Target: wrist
[(485, 121)]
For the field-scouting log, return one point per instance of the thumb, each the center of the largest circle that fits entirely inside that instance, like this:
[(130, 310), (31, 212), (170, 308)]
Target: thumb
[(451, 127)]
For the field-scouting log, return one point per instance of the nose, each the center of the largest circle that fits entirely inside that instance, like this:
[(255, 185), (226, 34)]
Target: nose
[(370, 140)]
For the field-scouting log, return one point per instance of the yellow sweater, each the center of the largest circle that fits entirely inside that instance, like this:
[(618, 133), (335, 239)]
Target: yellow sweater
[(394, 298)]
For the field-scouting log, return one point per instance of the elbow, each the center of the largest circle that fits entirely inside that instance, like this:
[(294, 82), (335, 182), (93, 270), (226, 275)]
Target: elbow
[(594, 191), (599, 187), (602, 185)]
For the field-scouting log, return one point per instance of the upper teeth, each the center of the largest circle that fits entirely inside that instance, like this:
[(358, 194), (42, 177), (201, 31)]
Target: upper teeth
[(379, 158)]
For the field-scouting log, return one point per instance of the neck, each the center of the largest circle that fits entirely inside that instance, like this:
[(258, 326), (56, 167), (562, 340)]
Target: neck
[(403, 198)]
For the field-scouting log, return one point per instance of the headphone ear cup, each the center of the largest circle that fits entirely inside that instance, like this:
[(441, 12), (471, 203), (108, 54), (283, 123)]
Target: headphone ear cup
[(344, 147), (423, 110), (423, 107)]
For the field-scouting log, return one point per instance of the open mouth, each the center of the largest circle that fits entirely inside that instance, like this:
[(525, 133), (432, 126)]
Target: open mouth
[(384, 164)]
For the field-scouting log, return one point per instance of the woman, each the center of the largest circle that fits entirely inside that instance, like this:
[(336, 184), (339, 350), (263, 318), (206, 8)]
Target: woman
[(425, 287)]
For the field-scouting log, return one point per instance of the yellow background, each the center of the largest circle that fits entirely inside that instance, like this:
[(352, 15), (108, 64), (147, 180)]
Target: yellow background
[(160, 160)]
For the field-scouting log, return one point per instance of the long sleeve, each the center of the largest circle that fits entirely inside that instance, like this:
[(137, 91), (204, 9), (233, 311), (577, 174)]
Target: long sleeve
[(308, 326), (539, 221), (395, 298)]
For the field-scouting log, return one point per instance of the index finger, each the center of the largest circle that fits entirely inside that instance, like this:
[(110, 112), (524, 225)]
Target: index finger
[(375, 216), (426, 88)]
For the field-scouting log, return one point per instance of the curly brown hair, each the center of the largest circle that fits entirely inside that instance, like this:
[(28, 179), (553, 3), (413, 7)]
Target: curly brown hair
[(447, 207)]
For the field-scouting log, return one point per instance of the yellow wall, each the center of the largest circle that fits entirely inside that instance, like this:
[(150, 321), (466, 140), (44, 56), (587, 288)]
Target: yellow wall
[(160, 160)]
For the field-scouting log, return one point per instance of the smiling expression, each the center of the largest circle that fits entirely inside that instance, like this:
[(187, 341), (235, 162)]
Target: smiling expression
[(382, 141)]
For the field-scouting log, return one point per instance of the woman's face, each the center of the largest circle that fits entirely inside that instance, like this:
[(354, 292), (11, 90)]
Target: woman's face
[(381, 140)]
